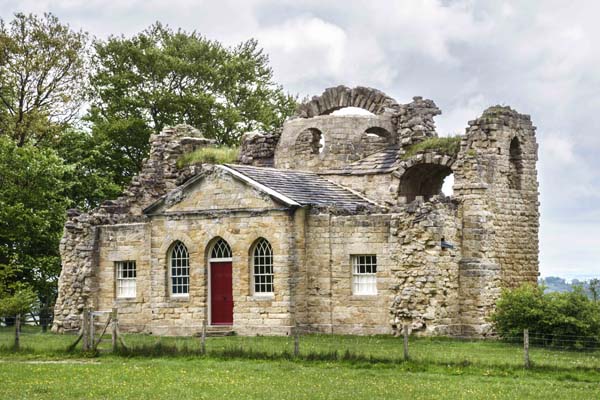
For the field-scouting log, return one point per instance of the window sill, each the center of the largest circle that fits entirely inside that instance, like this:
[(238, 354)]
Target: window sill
[(126, 299), (179, 298), (364, 296), (263, 297)]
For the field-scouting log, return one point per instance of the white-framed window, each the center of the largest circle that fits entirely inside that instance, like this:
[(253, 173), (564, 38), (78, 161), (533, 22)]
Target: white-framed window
[(179, 260), (364, 274), (262, 264), (220, 251), (126, 274)]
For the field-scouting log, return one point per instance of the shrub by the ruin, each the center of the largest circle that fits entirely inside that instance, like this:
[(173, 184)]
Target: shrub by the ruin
[(209, 155), (443, 145), (567, 319)]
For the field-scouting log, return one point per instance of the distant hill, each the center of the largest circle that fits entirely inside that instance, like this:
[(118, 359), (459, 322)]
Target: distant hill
[(556, 284)]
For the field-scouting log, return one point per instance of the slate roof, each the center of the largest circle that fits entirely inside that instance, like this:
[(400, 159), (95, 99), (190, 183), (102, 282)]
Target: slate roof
[(306, 188), (377, 163)]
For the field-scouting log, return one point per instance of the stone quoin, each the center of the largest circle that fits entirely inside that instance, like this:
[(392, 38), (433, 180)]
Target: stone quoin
[(333, 223)]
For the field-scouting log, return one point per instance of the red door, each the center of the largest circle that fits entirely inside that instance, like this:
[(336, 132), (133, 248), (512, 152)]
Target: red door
[(221, 297)]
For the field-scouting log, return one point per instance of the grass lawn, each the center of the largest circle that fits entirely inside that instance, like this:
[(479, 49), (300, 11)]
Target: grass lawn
[(440, 368), (182, 378)]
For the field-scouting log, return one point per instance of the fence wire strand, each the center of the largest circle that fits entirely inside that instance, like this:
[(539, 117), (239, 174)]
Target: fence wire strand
[(546, 349)]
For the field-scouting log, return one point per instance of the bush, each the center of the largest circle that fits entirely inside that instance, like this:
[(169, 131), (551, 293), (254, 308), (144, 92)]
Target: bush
[(567, 319), (209, 155), (444, 145)]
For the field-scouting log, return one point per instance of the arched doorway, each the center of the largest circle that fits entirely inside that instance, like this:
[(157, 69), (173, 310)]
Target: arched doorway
[(221, 291)]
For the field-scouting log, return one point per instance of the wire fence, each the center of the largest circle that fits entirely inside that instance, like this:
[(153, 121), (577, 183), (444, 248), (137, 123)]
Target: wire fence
[(531, 349)]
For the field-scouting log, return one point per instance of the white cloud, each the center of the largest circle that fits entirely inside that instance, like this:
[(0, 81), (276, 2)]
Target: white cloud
[(570, 250), (466, 55), (557, 148), (305, 48), (454, 118)]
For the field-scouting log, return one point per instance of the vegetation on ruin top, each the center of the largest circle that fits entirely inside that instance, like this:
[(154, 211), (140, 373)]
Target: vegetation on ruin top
[(209, 155), (443, 145)]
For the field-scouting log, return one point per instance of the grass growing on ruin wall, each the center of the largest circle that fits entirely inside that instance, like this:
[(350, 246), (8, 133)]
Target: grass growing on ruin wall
[(444, 145), (209, 155)]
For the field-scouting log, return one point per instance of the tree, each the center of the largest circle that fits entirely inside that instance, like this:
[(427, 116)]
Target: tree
[(568, 319), (16, 299), (32, 215), (42, 71), (594, 288), (90, 176), (161, 78)]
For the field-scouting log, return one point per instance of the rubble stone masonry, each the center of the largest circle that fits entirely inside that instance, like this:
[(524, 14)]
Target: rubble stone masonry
[(441, 261)]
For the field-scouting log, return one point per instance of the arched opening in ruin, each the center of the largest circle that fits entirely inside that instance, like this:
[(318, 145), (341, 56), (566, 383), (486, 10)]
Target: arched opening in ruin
[(423, 181), (515, 167), (378, 132), (374, 139), (310, 142), (448, 185), (352, 111)]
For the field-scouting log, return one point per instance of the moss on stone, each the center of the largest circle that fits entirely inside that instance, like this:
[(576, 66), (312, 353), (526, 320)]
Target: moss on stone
[(209, 155), (443, 145)]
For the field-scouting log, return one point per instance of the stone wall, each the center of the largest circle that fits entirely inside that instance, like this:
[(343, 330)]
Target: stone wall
[(258, 148), (500, 222), (426, 276), (342, 142), (414, 121), (417, 280), (232, 211), (492, 222), (78, 282), (348, 138)]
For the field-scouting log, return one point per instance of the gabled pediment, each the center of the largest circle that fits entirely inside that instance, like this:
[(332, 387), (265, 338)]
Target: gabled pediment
[(218, 188)]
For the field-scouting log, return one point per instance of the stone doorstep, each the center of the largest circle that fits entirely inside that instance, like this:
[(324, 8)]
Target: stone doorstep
[(217, 331)]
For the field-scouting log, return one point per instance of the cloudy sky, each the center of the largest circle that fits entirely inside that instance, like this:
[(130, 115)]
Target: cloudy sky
[(540, 57)]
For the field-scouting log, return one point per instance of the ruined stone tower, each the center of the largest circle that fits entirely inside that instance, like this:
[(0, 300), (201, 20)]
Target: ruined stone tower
[(362, 238)]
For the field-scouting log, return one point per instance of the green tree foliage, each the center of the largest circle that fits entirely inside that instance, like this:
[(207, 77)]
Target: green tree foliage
[(32, 214), (569, 319), (18, 299), (42, 71), (139, 85), (90, 176), (161, 78)]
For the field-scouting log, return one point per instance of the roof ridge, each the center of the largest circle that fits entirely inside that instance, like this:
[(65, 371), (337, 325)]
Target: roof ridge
[(272, 169)]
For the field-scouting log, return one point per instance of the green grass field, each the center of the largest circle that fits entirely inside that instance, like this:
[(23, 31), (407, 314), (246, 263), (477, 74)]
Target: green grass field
[(329, 367)]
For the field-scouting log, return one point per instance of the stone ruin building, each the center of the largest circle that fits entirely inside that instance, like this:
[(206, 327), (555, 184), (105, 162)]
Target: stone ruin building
[(335, 223)]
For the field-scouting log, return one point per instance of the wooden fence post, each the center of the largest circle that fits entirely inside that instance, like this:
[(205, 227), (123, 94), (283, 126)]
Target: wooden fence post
[(203, 340), (296, 341), (92, 329), (526, 347), (115, 321), (85, 319), (405, 331), (17, 331)]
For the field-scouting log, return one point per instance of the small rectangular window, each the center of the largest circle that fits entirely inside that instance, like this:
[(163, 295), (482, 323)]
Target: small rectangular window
[(125, 279), (364, 279)]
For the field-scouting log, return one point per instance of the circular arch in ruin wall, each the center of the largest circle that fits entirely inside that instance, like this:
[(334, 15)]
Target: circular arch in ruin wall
[(338, 97), (423, 175)]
